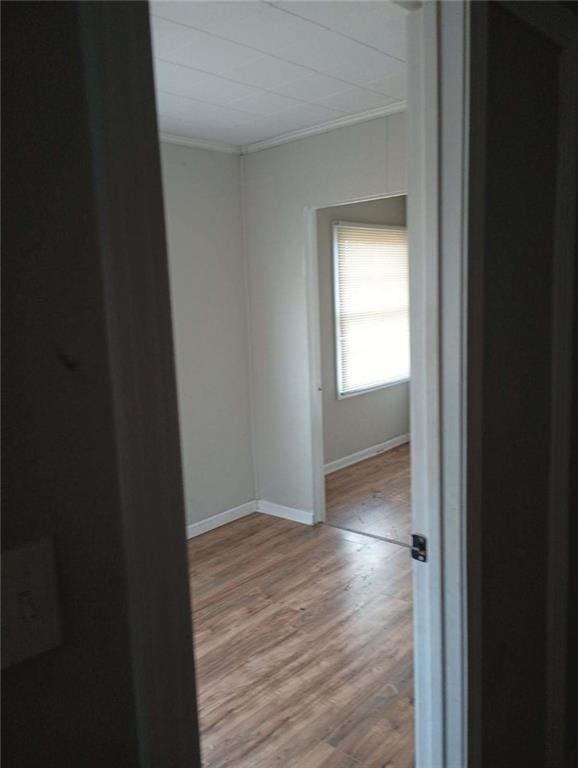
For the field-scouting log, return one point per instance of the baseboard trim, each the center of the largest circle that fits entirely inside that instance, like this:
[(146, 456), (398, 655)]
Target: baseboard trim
[(367, 453), (303, 516), (216, 521), (236, 513)]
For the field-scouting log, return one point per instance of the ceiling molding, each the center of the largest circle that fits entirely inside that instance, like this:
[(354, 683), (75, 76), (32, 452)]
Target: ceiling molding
[(209, 144), (340, 122), (284, 138)]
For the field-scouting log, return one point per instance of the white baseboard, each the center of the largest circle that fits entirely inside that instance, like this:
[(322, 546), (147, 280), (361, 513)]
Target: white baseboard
[(303, 516), (367, 453), (216, 521), (257, 505), (288, 513)]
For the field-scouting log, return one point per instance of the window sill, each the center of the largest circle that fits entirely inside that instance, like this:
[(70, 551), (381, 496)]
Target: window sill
[(369, 390)]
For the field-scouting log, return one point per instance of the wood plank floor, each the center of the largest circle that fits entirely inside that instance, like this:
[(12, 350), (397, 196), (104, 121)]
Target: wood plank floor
[(373, 496), (303, 646)]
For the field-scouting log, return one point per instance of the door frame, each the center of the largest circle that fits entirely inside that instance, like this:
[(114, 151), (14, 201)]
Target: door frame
[(438, 56), (438, 110), (314, 339), (437, 207)]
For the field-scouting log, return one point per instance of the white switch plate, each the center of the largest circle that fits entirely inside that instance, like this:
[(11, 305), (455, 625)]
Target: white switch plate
[(30, 616)]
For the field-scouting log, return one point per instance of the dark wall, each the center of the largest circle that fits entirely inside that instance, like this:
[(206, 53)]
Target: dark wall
[(572, 615), (516, 79), (72, 705), (91, 454)]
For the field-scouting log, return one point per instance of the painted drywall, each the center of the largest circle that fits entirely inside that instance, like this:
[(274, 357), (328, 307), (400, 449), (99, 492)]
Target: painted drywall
[(355, 423), (353, 163), (208, 293)]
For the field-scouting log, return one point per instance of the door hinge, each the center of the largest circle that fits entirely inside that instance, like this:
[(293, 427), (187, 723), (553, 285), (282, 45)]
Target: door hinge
[(419, 547)]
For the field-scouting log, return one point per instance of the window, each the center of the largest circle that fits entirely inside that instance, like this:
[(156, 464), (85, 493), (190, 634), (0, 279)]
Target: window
[(371, 306)]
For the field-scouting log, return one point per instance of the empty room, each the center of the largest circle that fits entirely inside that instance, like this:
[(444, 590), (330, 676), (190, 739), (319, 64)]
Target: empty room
[(278, 121)]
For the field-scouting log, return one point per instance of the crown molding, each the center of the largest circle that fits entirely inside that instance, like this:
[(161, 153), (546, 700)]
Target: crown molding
[(211, 145), (285, 138), (331, 125)]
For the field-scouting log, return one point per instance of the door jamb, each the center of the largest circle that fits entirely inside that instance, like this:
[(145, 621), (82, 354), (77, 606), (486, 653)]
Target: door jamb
[(438, 46)]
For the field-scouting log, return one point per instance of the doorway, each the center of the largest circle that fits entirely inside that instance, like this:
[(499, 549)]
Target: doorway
[(151, 654), (266, 235), (363, 283)]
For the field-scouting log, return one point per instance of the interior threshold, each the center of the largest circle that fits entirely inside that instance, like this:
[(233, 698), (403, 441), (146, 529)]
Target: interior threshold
[(369, 535)]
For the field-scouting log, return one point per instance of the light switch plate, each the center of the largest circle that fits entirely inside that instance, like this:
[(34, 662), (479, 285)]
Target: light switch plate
[(30, 615)]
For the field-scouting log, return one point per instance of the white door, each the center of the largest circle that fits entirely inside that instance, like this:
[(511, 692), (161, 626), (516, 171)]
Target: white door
[(437, 50)]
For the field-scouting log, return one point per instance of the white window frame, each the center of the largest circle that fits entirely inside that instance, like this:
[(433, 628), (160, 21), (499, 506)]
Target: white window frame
[(336, 312)]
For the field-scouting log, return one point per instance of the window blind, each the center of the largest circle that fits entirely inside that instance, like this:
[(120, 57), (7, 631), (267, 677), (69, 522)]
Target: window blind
[(371, 306)]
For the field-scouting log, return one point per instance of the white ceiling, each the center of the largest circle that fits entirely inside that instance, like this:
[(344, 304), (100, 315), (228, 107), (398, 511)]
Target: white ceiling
[(244, 72)]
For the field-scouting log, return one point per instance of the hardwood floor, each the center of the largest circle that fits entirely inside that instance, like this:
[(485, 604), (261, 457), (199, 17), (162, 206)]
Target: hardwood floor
[(303, 646), (373, 496)]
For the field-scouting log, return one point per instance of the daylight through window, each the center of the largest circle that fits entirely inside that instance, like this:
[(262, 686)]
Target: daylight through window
[(371, 306)]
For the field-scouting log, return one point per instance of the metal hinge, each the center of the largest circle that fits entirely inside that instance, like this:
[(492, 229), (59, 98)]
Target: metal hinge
[(419, 547)]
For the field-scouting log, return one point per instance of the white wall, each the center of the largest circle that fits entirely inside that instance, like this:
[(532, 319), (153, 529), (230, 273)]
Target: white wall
[(354, 423), (345, 165), (206, 263)]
